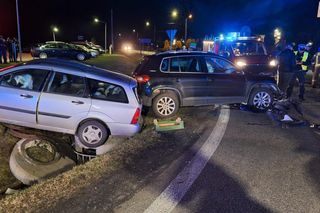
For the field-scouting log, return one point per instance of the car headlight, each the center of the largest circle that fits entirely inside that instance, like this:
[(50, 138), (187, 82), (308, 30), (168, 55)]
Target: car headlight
[(241, 63), (273, 63)]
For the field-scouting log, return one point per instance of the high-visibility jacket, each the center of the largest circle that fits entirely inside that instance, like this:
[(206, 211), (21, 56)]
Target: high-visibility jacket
[(303, 60)]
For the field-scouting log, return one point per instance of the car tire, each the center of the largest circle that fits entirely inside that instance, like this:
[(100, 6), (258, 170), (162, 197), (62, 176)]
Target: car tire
[(81, 57), (29, 170), (92, 134), (165, 105), (43, 55), (261, 99)]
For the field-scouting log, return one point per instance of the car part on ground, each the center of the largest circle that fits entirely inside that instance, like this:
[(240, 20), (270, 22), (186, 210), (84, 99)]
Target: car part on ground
[(35, 160), (168, 125)]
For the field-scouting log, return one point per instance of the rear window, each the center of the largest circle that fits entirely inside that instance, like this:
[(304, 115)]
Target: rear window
[(107, 91), (142, 66)]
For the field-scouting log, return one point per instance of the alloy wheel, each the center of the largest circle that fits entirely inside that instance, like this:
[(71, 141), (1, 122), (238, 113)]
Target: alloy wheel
[(262, 100), (166, 106)]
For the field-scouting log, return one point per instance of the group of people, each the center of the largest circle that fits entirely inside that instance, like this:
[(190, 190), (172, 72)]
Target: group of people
[(8, 48), (293, 66)]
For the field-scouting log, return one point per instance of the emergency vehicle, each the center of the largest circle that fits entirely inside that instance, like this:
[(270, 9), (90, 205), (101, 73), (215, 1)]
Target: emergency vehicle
[(247, 52)]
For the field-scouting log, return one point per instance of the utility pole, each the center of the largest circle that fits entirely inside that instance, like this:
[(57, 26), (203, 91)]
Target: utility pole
[(112, 42), (185, 30), (105, 35), (18, 25)]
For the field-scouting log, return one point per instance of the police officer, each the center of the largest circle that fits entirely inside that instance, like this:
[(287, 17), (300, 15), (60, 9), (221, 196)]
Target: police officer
[(303, 58), (287, 70)]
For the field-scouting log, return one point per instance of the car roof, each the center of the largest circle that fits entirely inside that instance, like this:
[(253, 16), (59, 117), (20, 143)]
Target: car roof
[(80, 67), (182, 53)]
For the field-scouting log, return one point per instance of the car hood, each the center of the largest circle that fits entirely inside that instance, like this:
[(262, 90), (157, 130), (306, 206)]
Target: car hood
[(253, 59)]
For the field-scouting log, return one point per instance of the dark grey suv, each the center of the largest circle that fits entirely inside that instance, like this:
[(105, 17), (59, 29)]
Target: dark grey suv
[(170, 80)]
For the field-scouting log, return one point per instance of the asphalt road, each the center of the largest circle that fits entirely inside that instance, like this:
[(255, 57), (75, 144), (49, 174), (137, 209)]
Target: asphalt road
[(258, 167)]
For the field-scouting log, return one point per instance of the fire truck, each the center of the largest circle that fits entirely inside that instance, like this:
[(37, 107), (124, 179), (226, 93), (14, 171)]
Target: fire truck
[(247, 52)]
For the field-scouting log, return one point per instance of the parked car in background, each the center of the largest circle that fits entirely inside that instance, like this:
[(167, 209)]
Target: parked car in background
[(59, 50), (94, 53), (70, 97), (170, 80), (89, 45)]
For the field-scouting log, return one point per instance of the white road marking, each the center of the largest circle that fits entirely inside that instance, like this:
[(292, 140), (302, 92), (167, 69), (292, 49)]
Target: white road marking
[(178, 187)]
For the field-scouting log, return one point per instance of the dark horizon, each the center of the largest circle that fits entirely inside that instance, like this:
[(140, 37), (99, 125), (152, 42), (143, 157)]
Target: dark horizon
[(297, 18)]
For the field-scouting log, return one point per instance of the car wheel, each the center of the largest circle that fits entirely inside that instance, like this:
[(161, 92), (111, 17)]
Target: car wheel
[(43, 55), (165, 105), (35, 160), (81, 57), (261, 99), (92, 134)]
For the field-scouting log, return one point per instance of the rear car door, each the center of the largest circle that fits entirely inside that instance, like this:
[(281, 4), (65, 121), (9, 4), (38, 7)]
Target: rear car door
[(20, 92), (64, 102), (191, 79), (227, 84)]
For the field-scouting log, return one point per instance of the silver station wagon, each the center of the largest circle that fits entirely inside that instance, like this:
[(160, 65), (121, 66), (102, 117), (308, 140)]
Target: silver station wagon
[(70, 97)]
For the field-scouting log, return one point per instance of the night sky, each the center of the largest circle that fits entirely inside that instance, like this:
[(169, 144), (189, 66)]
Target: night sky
[(75, 17)]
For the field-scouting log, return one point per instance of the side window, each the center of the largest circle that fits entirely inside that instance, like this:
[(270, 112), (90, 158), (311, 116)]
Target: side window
[(66, 84), (185, 64), (30, 79), (165, 65), (106, 91), (218, 65)]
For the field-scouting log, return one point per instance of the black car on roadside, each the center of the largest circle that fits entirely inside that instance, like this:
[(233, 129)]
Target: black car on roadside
[(170, 80), (59, 50)]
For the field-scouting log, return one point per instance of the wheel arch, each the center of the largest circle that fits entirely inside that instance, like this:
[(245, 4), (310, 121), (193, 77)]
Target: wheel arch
[(272, 87), (161, 90)]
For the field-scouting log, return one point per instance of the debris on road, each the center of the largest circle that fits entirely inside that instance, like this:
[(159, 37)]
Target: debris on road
[(168, 125)]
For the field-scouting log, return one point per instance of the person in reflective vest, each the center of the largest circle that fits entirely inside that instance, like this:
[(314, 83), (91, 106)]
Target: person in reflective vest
[(316, 69), (303, 62)]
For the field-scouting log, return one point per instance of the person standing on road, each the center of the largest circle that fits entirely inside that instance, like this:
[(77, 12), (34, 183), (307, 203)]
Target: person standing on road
[(303, 58), (287, 70), (1, 44), (15, 47), (316, 69), (9, 45)]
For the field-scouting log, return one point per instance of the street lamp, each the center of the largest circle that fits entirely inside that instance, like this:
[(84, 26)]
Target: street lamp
[(54, 31), (96, 20), (174, 13), (147, 23), (190, 16)]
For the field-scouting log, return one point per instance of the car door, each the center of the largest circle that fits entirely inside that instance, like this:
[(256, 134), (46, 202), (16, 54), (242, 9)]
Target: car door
[(191, 79), (64, 102), (20, 92), (227, 84), (52, 50)]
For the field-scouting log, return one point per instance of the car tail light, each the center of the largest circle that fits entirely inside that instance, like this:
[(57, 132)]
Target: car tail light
[(143, 78), (136, 116), (6, 68)]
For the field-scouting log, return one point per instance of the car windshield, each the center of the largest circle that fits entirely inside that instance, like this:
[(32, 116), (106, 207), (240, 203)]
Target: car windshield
[(242, 48)]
